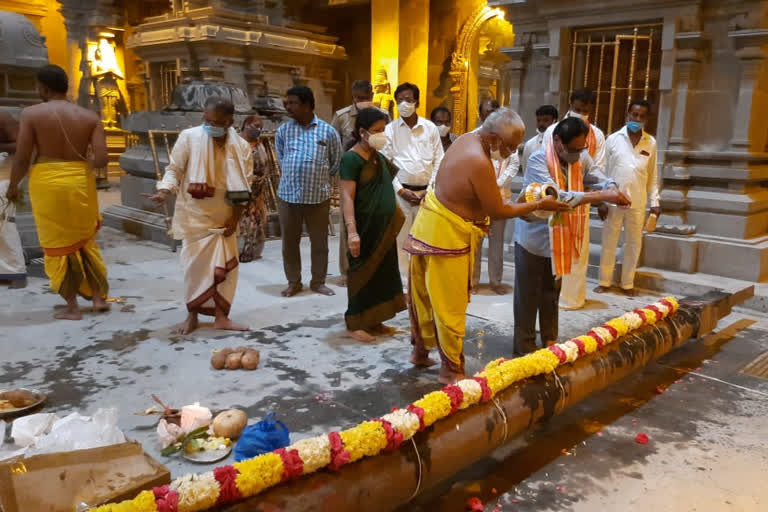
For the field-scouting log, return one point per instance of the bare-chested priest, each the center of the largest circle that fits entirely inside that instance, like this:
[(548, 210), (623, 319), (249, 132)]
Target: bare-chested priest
[(62, 190), (446, 231)]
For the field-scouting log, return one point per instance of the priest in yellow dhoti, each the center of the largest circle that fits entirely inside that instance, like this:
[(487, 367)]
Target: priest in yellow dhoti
[(210, 171), (445, 234), (62, 190)]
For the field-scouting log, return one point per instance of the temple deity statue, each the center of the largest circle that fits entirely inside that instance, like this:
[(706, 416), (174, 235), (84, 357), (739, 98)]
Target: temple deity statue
[(382, 92)]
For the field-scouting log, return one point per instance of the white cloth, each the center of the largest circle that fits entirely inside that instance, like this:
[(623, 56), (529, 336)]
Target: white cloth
[(410, 212), (633, 220), (210, 273), (530, 147), (193, 218), (12, 266), (209, 259), (416, 152), (194, 145), (634, 167), (573, 292)]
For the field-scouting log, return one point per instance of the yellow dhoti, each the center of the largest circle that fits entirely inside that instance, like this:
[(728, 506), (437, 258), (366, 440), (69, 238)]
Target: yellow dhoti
[(66, 211), (442, 248)]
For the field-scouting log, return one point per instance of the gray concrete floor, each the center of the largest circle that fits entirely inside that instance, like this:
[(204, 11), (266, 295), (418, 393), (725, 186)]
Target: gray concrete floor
[(709, 438)]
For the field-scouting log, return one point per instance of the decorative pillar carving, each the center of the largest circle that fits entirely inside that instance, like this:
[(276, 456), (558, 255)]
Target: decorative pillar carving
[(460, 62), (688, 60), (749, 126)]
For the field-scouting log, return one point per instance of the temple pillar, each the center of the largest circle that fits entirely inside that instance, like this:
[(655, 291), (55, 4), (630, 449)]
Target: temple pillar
[(400, 43), (750, 127)]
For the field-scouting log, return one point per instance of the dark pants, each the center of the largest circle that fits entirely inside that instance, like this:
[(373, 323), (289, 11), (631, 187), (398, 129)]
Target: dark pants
[(536, 292), (292, 218)]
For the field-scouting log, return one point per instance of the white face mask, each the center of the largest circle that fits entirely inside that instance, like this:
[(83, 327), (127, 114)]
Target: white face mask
[(377, 141), (444, 129), (406, 109), (583, 117)]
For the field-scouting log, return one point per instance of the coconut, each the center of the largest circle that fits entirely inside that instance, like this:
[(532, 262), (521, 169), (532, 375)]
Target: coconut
[(250, 360), (230, 423), (219, 359), (233, 361)]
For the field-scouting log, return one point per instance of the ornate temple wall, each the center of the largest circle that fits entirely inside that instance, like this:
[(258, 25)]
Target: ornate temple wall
[(707, 79)]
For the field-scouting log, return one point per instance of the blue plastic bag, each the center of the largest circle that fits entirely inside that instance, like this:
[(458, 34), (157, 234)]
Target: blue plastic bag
[(263, 437)]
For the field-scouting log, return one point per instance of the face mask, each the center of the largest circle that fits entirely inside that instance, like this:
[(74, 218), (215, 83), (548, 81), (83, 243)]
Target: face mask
[(635, 126), (214, 131), (253, 133), (406, 109), (377, 141), (583, 117), (444, 130), (571, 158)]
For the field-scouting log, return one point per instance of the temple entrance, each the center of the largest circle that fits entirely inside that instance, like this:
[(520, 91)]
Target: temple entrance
[(620, 64)]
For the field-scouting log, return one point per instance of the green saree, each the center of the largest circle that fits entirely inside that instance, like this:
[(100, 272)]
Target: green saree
[(374, 288)]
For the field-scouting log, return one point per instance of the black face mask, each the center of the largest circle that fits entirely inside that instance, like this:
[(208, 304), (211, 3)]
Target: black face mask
[(253, 133)]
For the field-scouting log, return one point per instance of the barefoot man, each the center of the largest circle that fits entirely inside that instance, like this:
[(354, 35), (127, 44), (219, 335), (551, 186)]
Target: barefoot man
[(209, 172), (62, 189), (446, 231)]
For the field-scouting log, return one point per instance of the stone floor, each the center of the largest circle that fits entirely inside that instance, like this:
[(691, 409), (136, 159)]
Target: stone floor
[(708, 449)]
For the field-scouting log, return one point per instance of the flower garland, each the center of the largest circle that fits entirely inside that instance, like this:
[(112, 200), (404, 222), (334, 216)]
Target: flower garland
[(229, 484)]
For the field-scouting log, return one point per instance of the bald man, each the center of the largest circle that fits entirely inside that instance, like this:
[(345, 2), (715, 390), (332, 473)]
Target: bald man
[(446, 232)]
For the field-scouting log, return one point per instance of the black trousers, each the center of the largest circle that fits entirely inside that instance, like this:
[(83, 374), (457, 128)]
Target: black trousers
[(537, 292)]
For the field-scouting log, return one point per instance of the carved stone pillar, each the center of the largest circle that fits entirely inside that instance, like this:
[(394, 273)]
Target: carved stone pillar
[(688, 61), (750, 124)]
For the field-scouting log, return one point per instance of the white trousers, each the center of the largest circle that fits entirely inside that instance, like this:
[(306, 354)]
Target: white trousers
[(410, 212), (574, 290), (633, 220)]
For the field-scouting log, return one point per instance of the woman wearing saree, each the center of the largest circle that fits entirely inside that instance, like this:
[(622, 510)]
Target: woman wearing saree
[(253, 224), (373, 220)]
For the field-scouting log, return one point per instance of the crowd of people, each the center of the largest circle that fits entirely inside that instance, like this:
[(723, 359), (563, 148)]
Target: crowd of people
[(416, 200)]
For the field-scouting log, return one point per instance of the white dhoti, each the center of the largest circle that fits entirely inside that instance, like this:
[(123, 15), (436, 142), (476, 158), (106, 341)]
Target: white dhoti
[(210, 259), (633, 220), (574, 288), (12, 267), (410, 211), (210, 273)]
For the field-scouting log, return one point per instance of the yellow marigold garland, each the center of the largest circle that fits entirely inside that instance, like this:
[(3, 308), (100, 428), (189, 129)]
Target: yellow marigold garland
[(365, 440), (436, 405), (200, 492), (144, 502), (258, 473)]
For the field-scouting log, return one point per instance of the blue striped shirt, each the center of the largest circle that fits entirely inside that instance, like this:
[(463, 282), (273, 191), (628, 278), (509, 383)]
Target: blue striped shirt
[(308, 156)]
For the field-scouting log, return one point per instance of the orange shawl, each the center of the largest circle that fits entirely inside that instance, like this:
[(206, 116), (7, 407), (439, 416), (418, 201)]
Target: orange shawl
[(567, 229)]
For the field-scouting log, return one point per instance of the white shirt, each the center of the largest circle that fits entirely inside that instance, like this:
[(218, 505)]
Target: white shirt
[(634, 168), (530, 148), (416, 152)]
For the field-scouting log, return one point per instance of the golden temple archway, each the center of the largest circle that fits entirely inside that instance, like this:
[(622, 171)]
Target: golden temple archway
[(465, 62)]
